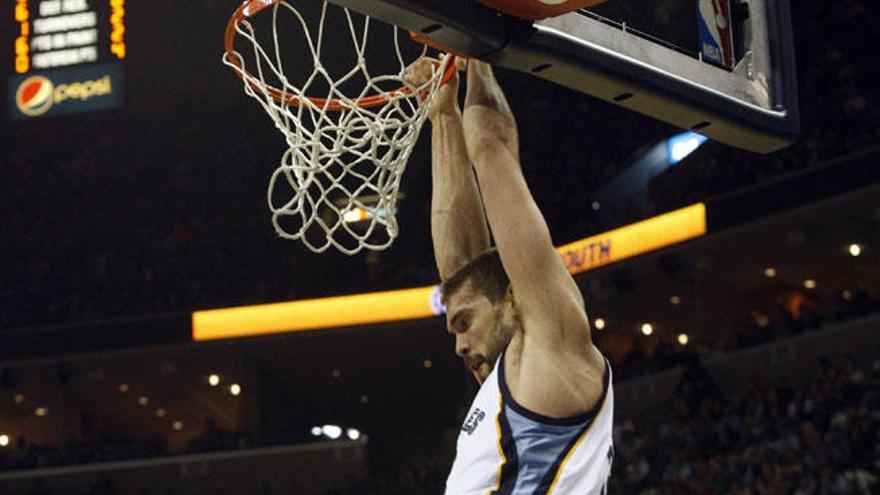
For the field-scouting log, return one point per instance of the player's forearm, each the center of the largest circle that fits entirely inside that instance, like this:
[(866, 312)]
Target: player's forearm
[(492, 144), (458, 224), (483, 89), (489, 122)]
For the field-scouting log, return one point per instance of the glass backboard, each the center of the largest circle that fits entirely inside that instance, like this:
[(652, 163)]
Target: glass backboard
[(723, 68)]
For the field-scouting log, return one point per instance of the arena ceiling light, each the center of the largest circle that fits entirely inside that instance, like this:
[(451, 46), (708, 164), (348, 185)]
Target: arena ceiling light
[(4, 440), (331, 431), (334, 432), (235, 389), (647, 329), (770, 272), (678, 147), (855, 250), (683, 339), (214, 380), (599, 323)]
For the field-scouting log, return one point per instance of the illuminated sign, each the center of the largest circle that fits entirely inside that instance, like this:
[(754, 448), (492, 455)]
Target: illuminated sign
[(64, 33), (424, 302), (331, 312), (635, 239), (67, 56), (73, 90), (117, 32), (22, 40)]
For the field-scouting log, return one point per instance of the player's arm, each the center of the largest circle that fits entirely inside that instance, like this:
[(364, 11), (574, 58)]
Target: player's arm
[(554, 318), (541, 283), (458, 224)]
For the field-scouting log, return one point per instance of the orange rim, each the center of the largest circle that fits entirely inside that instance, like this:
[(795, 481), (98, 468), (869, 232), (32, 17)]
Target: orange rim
[(252, 7)]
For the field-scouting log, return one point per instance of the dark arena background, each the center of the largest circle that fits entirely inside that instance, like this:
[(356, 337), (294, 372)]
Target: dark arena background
[(132, 198)]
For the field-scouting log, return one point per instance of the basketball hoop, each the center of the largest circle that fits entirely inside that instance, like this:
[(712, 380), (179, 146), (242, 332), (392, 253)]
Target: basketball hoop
[(346, 154)]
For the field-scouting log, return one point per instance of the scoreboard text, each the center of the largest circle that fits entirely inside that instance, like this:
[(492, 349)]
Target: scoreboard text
[(60, 33)]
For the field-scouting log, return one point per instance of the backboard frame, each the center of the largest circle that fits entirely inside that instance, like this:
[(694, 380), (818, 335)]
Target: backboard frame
[(753, 107)]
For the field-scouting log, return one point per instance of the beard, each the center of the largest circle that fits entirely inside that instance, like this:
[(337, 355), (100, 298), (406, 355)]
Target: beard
[(498, 340)]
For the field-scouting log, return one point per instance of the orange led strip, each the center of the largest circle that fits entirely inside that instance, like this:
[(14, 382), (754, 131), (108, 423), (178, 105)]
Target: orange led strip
[(423, 302)]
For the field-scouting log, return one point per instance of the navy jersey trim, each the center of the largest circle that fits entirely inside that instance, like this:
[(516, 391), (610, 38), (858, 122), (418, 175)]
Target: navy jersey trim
[(549, 478), (540, 418), (510, 468)]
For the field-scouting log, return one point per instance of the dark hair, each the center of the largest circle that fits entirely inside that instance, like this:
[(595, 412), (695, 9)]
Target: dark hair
[(486, 274)]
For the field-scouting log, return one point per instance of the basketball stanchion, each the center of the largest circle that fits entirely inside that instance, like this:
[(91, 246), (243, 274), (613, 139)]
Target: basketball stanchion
[(346, 154)]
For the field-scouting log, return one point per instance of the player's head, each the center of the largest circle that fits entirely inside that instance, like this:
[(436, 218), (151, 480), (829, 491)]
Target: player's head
[(480, 312)]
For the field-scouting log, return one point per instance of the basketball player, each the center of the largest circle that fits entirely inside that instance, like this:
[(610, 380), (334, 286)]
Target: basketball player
[(541, 421)]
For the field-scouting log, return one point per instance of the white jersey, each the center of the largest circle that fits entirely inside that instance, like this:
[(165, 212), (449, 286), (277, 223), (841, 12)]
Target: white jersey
[(504, 448)]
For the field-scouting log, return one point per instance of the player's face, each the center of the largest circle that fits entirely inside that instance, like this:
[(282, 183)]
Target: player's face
[(481, 328)]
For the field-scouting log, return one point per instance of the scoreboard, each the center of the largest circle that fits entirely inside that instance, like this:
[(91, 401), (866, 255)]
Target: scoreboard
[(67, 56)]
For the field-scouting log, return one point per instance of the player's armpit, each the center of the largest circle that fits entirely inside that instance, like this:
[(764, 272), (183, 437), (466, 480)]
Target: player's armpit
[(561, 384)]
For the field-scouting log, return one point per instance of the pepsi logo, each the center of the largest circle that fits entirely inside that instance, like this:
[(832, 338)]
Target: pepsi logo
[(35, 96)]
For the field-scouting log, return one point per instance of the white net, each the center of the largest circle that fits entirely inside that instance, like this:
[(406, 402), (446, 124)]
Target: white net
[(337, 183)]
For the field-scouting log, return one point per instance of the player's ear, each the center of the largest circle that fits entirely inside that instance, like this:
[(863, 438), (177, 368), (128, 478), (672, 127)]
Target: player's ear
[(508, 294)]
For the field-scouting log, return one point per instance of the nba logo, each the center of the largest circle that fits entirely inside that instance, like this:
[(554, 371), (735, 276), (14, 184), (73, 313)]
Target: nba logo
[(716, 34)]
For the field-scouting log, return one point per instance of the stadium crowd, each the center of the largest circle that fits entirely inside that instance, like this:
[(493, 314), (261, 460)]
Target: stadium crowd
[(762, 329), (775, 439), (104, 448), (24, 455)]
